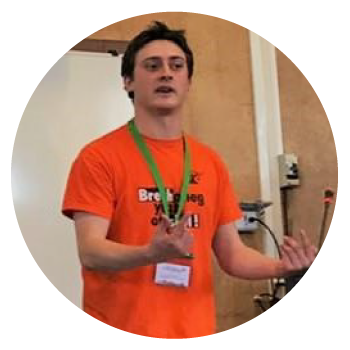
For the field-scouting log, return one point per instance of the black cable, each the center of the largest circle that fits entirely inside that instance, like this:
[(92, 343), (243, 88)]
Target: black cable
[(252, 219), (284, 200)]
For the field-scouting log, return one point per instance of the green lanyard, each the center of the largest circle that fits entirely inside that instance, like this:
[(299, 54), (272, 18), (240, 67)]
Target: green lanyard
[(155, 172)]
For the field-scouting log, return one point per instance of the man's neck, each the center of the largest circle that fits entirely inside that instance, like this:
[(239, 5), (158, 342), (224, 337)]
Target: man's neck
[(159, 125)]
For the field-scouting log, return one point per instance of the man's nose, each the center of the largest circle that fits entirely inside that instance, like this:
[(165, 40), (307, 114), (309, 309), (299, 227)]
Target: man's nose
[(166, 73)]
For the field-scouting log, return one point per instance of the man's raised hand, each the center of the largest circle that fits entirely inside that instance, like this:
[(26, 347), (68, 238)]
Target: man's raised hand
[(171, 241)]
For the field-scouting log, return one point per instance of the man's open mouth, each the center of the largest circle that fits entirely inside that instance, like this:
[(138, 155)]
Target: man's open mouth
[(164, 90)]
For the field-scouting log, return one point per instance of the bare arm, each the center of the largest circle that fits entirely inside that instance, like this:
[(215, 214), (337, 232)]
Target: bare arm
[(238, 260), (98, 253)]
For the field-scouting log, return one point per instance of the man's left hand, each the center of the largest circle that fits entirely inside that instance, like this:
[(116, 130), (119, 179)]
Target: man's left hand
[(296, 255)]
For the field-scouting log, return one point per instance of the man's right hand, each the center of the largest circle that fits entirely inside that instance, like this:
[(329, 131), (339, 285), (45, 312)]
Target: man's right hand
[(171, 241)]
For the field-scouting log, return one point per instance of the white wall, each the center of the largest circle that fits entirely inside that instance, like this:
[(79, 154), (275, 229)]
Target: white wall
[(268, 130), (79, 99)]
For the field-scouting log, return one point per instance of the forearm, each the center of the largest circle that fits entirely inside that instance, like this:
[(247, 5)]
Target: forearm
[(249, 264), (112, 256), (241, 261), (96, 252)]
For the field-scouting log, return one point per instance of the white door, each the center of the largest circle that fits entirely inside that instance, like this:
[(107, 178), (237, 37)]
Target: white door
[(80, 98)]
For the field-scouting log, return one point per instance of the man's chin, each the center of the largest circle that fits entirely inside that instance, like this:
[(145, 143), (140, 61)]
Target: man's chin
[(163, 111), (166, 108)]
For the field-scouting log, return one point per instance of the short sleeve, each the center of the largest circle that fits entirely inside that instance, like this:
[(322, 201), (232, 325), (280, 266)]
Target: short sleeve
[(228, 206), (90, 186)]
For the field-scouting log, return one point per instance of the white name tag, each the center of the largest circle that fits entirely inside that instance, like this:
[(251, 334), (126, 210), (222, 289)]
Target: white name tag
[(173, 275)]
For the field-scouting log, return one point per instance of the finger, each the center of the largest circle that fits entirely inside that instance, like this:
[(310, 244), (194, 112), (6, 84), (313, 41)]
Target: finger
[(165, 223), (181, 226), (311, 253), (291, 262), (309, 248), (293, 254), (188, 239), (187, 243), (296, 246), (304, 239), (302, 254), (184, 222), (165, 220), (286, 260)]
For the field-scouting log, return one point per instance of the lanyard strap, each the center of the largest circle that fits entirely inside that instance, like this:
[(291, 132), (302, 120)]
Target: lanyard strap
[(155, 172)]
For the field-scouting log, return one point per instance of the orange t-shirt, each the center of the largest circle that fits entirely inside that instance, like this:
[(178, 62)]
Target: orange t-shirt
[(110, 178)]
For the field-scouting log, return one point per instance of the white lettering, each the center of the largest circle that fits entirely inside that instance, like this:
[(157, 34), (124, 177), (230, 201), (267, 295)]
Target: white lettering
[(143, 195)]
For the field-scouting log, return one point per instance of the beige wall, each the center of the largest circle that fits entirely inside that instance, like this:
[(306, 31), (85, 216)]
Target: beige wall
[(220, 113), (307, 133)]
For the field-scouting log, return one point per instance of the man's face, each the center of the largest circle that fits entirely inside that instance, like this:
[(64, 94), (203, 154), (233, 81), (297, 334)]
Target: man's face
[(160, 79)]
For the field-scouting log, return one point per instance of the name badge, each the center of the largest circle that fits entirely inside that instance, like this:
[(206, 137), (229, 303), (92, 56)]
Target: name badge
[(172, 275)]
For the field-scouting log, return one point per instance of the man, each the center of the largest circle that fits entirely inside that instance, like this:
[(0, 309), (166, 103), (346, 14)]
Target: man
[(150, 204)]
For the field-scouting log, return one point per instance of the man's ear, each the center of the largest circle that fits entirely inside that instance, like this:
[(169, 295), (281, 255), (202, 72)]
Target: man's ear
[(128, 84)]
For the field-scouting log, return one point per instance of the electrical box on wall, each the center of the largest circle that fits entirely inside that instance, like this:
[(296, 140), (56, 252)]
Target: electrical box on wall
[(288, 170), (251, 210), (244, 225)]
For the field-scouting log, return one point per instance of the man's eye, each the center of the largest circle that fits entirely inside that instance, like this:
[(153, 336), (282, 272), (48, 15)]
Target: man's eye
[(177, 65), (151, 66)]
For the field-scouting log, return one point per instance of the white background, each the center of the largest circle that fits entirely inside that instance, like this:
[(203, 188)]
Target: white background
[(35, 34), (80, 99)]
